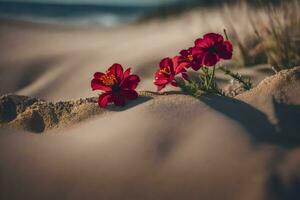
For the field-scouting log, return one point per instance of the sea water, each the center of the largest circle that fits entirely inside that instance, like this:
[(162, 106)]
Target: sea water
[(74, 13)]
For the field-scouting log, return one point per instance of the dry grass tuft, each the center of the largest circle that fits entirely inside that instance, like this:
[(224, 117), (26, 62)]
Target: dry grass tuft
[(275, 39)]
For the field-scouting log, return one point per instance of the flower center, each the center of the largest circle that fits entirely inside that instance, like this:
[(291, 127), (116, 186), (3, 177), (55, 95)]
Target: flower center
[(115, 88), (212, 49), (165, 70), (108, 80), (190, 57)]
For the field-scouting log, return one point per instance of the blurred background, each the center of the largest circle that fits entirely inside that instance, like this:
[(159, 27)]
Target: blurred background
[(51, 48), (105, 12)]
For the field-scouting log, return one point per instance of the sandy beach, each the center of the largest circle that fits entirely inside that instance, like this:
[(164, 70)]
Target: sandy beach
[(56, 143)]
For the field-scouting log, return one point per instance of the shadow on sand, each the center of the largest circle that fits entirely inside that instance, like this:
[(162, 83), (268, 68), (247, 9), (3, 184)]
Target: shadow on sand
[(285, 134), (130, 104), (144, 96), (257, 123), (280, 191)]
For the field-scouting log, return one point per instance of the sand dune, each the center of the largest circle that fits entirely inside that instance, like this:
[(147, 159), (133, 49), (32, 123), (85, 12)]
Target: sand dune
[(212, 148)]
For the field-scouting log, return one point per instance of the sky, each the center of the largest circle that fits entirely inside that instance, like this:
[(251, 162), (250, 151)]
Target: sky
[(117, 2)]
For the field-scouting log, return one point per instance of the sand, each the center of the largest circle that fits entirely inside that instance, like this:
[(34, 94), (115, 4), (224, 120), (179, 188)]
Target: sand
[(169, 146), (55, 143)]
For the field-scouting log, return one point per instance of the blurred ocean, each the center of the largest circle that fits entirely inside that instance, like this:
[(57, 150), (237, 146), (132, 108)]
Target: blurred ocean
[(74, 13)]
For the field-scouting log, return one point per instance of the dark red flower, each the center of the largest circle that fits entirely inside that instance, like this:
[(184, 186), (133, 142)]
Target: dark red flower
[(190, 59), (118, 85), (168, 69), (212, 48)]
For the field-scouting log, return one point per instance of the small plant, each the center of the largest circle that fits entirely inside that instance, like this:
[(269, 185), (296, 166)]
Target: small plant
[(193, 88), (247, 85), (119, 86), (203, 57)]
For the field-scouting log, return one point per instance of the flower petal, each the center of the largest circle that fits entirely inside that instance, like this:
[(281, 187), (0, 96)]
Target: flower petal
[(225, 50), (97, 84), (161, 81), (117, 70), (184, 53), (197, 51), (196, 67), (210, 59), (98, 75), (173, 83), (130, 94), (126, 73), (182, 67), (118, 99), (198, 42), (185, 76), (176, 66), (215, 37), (228, 45), (203, 43), (160, 87), (131, 82), (104, 99), (197, 63), (165, 62)]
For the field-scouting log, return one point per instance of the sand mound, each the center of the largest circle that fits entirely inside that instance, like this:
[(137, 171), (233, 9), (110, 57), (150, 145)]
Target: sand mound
[(278, 97), (36, 115), (169, 147), (159, 147)]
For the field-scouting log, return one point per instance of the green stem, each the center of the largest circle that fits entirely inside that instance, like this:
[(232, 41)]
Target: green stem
[(247, 85), (205, 72), (212, 76), (206, 78), (225, 33)]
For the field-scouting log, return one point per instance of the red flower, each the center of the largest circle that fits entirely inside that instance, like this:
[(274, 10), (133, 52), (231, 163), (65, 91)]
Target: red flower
[(118, 86), (190, 59), (169, 68), (212, 48)]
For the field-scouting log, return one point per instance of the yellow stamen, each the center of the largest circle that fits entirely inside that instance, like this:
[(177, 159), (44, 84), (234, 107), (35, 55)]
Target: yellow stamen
[(190, 57), (108, 80), (165, 71)]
